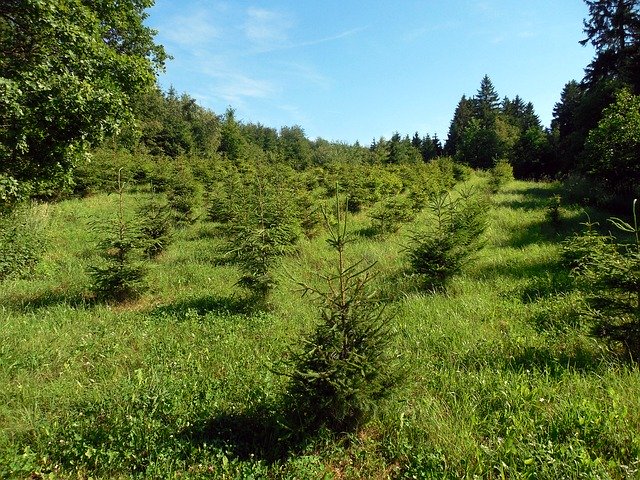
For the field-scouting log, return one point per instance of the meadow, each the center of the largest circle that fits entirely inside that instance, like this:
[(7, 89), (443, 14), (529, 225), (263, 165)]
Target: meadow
[(502, 377)]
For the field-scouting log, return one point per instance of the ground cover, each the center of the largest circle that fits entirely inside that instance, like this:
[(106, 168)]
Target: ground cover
[(502, 376)]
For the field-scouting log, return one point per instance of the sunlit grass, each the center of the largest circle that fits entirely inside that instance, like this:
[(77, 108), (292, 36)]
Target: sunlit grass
[(501, 379)]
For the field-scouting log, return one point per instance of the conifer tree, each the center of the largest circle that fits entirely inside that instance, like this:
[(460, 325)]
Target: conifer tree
[(613, 28), (461, 118), (343, 369), (486, 102)]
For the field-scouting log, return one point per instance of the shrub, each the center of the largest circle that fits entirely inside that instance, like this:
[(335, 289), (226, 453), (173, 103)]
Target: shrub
[(343, 369), (553, 210), (390, 214), (9, 191), (499, 175), (443, 249), (580, 250), (611, 149), (120, 275)]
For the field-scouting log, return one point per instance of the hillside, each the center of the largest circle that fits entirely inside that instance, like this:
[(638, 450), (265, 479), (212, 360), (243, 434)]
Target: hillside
[(502, 377)]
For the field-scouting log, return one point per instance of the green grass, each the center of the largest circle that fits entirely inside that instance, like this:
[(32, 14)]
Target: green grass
[(503, 379)]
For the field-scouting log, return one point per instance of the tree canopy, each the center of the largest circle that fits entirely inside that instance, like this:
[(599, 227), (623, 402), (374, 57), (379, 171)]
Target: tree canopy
[(67, 71)]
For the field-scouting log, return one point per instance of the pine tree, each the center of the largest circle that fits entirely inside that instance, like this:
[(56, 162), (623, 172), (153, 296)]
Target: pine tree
[(232, 142), (343, 369), (461, 118)]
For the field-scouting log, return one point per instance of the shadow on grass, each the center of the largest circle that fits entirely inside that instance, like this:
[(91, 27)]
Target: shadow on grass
[(540, 232), (260, 433), (554, 362), (202, 306), (368, 232), (534, 198), (401, 282), (51, 298), (528, 268), (551, 283)]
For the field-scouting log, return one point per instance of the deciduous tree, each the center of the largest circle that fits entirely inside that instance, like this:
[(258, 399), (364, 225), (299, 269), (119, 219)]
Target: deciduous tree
[(67, 71)]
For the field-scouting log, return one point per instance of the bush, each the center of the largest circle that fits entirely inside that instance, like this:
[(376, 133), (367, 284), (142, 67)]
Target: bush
[(443, 249), (582, 250), (499, 175), (553, 210), (611, 148), (343, 369), (390, 214)]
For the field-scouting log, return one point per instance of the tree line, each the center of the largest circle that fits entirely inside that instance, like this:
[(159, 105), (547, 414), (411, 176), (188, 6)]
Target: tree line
[(77, 75)]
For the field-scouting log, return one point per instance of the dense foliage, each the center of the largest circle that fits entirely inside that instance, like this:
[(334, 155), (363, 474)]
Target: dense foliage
[(68, 70), (609, 271)]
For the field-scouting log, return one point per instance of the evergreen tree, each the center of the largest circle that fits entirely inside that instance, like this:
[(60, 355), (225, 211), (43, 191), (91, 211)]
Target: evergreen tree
[(461, 118), (294, 147), (486, 103), (427, 148), (564, 111), (344, 368), (416, 141), (232, 143), (401, 150), (437, 145), (614, 30), (566, 122)]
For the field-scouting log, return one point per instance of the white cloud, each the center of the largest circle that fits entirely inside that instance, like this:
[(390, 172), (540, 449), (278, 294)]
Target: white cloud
[(266, 28), (235, 87), (188, 30), (305, 73), (346, 33)]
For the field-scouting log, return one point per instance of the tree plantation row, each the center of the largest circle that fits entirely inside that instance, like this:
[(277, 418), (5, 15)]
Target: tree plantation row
[(257, 238)]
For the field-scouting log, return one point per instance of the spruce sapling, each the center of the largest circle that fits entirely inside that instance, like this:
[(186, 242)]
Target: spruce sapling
[(120, 275), (343, 368)]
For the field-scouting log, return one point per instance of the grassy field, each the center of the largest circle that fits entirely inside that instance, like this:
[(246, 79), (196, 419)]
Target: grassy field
[(502, 379)]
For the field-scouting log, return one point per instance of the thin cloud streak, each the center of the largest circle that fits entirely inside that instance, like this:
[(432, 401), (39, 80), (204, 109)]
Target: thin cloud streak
[(266, 28), (310, 43)]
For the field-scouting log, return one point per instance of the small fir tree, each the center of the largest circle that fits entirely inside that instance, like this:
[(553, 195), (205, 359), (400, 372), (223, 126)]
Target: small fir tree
[(120, 275), (264, 227), (499, 175), (389, 215), (610, 272), (343, 368), (156, 226), (442, 250)]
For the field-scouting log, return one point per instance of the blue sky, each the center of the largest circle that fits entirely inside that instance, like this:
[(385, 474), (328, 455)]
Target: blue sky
[(355, 70)]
